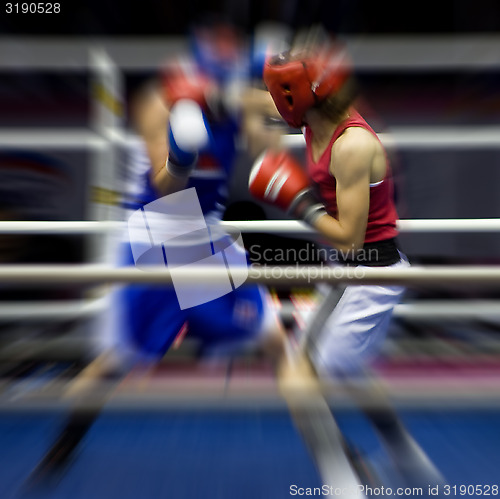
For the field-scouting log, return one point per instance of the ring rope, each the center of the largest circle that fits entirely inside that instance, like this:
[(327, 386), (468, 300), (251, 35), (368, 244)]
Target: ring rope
[(400, 137), (95, 274), (427, 309), (289, 227)]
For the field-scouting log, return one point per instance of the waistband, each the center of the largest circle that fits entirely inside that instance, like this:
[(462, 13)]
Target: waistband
[(376, 254)]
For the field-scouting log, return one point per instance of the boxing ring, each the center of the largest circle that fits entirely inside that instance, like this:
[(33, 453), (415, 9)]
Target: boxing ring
[(180, 402), (186, 407)]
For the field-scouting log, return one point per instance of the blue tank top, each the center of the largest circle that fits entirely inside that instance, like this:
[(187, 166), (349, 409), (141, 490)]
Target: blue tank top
[(210, 177)]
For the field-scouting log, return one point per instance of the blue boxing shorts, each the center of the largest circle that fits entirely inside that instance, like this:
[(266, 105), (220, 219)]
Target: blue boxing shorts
[(144, 320)]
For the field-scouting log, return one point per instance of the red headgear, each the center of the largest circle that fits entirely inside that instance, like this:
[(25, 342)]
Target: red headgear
[(297, 84)]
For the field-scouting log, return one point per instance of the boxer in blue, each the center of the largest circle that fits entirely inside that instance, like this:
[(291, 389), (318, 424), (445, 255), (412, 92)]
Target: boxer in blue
[(188, 124)]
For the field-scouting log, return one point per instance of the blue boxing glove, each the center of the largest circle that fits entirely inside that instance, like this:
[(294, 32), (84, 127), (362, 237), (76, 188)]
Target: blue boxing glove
[(187, 135)]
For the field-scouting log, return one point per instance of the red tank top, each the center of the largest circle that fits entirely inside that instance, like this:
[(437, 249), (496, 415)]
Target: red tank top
[(382, 213)]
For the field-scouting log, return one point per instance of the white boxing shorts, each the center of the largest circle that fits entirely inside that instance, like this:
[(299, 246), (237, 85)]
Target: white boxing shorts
[(351, 323)]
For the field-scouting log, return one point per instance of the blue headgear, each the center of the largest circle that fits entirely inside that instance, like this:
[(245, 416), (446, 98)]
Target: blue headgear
[(217, 51)]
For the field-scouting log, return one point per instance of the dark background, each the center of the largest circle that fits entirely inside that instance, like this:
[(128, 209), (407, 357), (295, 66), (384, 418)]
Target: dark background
[(166, 17)]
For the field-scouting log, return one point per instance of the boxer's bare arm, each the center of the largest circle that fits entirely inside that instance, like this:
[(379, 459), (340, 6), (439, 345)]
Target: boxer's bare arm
[(259, 120), (150, 117)]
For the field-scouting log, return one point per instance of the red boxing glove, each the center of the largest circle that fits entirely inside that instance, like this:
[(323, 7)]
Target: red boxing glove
[(182, 82), (278, 179)]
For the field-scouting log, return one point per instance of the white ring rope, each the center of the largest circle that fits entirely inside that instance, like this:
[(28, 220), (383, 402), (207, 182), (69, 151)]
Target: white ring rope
[(53, 227), (293, 227), (403, 137), (279, 227), (84, 309), (58, 310), (95, 274)]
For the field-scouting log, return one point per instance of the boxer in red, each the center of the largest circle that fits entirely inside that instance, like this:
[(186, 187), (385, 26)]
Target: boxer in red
[(346, 194)]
